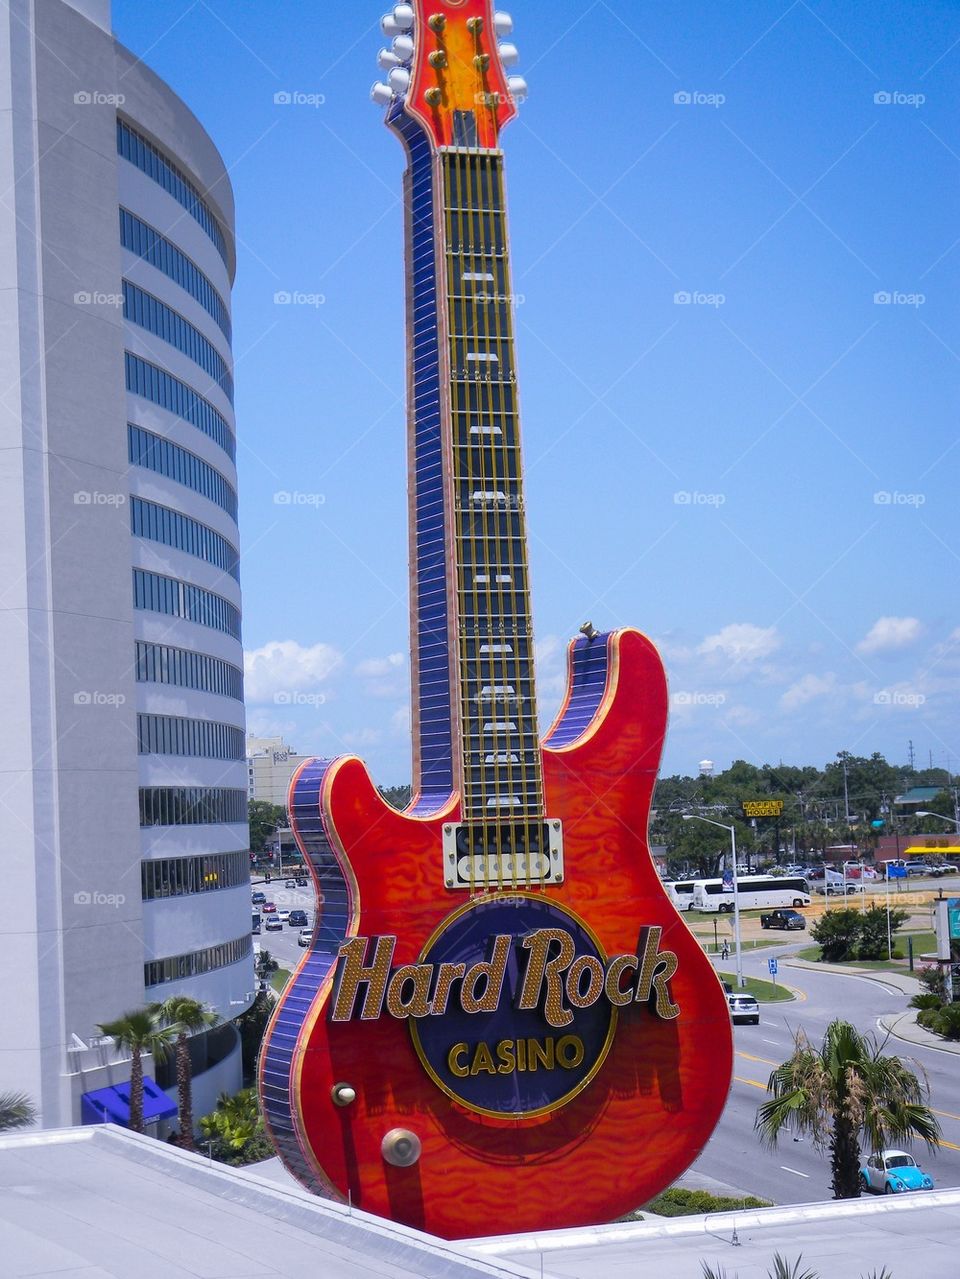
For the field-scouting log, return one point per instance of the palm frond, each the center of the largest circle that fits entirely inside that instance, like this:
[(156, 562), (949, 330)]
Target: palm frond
[(16, 1111), (710, 1273), (783, 1269)]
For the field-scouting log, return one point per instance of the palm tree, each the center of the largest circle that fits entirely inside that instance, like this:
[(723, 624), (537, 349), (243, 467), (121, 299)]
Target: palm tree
[(185, 1017), (137, 1032), (843, 1092), (16, 1111)]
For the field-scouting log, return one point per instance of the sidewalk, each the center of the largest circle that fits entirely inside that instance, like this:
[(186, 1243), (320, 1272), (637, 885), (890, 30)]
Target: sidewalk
[(902, 981), (904, 1026)]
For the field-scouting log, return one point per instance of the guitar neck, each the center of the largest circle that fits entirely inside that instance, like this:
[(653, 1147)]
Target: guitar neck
[(475, 711), (499, 737)]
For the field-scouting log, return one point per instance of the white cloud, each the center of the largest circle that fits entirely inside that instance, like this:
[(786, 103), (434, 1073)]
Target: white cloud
[(380, 667), (888, 634), (286, 667), (807, 690), (741, 642)]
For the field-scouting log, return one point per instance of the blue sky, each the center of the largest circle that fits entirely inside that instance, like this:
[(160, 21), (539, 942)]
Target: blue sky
[(736, 238)]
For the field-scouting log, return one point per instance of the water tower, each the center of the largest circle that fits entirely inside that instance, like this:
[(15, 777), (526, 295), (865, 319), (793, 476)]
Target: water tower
[(706, 768)]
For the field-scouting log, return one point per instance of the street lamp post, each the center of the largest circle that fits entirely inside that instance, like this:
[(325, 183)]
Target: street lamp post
[(732, 831)]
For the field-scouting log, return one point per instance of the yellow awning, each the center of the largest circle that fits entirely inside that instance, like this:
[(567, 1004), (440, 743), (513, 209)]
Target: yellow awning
[(929, 850)]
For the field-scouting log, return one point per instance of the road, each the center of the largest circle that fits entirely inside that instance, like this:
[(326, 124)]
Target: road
[(795, 1172), (283, 945)]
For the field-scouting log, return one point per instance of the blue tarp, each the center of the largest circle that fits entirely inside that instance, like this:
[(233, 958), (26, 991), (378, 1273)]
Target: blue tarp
[(112, 1105)]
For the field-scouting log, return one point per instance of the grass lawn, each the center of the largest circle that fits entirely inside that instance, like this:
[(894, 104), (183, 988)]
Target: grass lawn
[(280, 979), (764, 992), (923, 943)]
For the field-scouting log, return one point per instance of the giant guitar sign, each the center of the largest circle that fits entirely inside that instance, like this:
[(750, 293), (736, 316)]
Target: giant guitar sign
[(501, 1022)]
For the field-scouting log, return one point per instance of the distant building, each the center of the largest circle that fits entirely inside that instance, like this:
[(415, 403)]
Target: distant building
[(918, 797), (270, 765), (706, 768)]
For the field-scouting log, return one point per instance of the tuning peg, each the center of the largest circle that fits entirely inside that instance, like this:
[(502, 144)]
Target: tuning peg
[(518, 87), (403, 48), (503, 24), (509, 55), (381, 94), (399, 79), (387, 60), (403, 16), (389, 25)]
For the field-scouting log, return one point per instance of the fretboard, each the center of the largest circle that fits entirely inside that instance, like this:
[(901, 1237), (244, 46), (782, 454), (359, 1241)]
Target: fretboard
[(501, 772)]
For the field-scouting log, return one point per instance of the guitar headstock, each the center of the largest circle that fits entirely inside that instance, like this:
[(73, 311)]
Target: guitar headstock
[(449, 67)]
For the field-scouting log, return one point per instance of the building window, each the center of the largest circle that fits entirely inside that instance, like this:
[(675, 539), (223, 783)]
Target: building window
[(192, 806), (161, 388), (177, 967), (140, 307), (177, 735), (154, 453), (153, 247), (161, 524), (158, 594), (150, 160), (185, 668), (184, 876)]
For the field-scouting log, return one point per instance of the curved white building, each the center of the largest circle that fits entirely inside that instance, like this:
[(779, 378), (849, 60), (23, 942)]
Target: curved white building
[(123, 798)]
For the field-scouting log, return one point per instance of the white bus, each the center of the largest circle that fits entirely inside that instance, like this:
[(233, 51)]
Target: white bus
[(680, 892), (754, 891)]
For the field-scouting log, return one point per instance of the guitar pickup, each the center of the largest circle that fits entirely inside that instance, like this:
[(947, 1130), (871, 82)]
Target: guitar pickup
[(504, 854)]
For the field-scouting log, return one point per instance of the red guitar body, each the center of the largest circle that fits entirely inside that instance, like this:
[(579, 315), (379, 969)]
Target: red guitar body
[(663, 1084)]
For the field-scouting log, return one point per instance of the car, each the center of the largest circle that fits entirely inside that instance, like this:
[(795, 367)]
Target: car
[(304, 936), (297, 918), (290, 883), (837, 889), (783, 919), (283, 915), (273, 924), (743, 1008), (891, 1172), (302, 881), (942, 868), (258, 898), (268, 908)]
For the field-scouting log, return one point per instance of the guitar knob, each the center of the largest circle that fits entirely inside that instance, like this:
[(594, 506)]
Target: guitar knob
[(503, 24), (381, 94), (389, 25), (509, 55), (343, 1094), (403, 16), (518, 87), (387, 60), (401, 1148), (399, 79), (403, 48)]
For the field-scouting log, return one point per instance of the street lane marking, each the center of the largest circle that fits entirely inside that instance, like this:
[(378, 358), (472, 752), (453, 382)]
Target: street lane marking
[(794, 1171), (948, 1145), (750, 1057), (763, 1088)]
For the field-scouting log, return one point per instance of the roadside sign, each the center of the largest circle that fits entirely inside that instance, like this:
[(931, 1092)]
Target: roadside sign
[(727, 881), (773, 966)]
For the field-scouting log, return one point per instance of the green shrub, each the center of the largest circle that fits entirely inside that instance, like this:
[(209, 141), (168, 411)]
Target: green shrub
[(873, 931), (838, 933), (947, 1021), (927, 1000), (678, 1202), (928, 1018), (935, 981)]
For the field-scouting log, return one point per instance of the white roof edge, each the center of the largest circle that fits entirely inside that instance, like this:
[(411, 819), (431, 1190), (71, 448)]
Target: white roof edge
[(714, 1224), (423, 1254)]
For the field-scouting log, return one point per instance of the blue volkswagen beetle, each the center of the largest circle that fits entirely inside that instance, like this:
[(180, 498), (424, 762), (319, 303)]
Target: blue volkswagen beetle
[(891, 1172)]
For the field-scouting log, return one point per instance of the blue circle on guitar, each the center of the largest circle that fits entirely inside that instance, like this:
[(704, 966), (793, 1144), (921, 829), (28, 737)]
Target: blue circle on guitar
[(525, 1024)]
